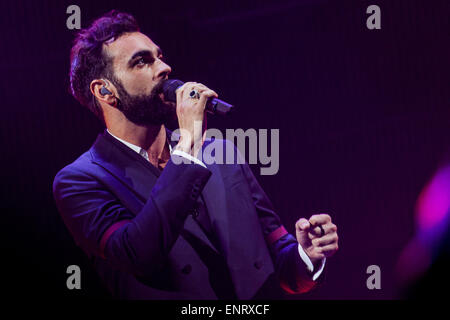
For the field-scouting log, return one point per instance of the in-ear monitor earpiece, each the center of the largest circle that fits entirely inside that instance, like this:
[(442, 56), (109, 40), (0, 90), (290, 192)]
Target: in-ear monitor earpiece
[(104, 91)]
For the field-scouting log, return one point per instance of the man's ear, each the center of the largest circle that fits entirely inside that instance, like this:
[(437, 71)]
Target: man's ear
[(101, 89)]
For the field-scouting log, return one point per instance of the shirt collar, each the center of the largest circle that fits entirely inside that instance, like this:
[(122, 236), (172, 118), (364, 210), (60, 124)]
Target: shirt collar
[(136, 148)]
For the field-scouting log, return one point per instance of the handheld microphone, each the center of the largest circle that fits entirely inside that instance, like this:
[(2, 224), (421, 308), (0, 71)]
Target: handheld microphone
[(213, 106)]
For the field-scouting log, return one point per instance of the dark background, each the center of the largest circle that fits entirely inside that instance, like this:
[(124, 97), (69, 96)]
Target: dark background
[(363, 118)]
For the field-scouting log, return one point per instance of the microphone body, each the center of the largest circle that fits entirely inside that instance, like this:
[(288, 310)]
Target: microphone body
[(213, 106)]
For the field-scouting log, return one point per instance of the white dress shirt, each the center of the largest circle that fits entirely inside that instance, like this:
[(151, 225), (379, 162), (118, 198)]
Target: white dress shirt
[(144, 154)]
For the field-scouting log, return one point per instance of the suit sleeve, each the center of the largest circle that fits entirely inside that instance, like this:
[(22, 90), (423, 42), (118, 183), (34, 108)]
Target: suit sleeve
[(103, 227), (290, 269)]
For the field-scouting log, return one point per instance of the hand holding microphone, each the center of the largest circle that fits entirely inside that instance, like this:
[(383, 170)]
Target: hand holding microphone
[(191, 99), (213, 105)]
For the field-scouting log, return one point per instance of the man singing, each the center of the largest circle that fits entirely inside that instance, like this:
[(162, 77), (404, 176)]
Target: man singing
[(157, 222)]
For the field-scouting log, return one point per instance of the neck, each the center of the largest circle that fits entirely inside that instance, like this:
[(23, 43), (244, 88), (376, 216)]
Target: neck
[(150, 138)]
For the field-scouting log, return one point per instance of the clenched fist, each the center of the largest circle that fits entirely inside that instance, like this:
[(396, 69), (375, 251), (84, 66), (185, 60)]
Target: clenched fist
[(317, 236)]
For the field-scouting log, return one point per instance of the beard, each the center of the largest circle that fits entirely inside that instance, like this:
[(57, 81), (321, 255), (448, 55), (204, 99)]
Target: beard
[(145, 109)]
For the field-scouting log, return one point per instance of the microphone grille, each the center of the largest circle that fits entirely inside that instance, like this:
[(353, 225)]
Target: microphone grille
[(169, 87)]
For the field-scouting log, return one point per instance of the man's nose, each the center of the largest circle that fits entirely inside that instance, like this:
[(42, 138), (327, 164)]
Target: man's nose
[(164, 70)]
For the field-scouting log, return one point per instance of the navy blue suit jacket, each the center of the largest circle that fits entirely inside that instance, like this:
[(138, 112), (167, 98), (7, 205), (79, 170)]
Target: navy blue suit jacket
[(134, 222)]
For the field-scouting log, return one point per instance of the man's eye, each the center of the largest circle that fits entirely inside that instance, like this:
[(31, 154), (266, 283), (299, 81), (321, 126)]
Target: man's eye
[(142, 62)]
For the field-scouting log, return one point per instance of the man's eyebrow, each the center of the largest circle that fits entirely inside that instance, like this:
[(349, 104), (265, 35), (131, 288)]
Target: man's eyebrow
[(143, 53)]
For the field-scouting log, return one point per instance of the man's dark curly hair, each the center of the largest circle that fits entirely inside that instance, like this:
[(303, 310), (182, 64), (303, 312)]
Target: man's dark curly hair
[(88, 61)]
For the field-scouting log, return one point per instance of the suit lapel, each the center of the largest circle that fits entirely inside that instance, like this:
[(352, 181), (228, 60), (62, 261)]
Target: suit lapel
[(225, 221), (226, 195), (214, 197), (135, 173), (190, 224)]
